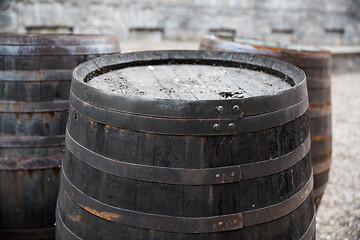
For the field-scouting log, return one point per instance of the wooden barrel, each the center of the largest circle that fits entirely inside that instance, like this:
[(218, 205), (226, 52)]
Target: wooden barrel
[(35, 76), (186, 145), (316, 64)]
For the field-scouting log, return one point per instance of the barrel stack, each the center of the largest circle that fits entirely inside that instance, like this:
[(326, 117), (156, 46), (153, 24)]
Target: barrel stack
[(186, 145), (316, 64), (35, 76)]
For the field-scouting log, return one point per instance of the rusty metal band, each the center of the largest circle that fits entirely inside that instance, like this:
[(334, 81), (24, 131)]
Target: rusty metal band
[(62, 229), (185, 224), (322, 167), (309, 234), (181, 176), (322, 138), (36, 76), (184, 109), (32, 141), (63, 50), (39, 233), (271, 46), (320, 112), (319, 191), (300, 55), (33, 163), (34, 107), (194, 127)]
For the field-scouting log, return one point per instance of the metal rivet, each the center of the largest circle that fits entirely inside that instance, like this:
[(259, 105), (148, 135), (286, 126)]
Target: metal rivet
[(220, 109), (235, 221), (236, 108), (231, 126), (220, 224), (233, 174), (216, 126), (217, 176)]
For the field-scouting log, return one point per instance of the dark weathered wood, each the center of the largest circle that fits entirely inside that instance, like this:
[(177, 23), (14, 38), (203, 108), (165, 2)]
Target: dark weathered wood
[(41, 233), (35, 76), (316, 64), (30, 63), (96, 204)]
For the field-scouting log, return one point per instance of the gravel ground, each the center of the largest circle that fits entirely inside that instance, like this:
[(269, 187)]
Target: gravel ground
[(339, 212)]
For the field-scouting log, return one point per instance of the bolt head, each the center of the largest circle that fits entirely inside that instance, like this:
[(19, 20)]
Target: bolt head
[(236, 108), (216, 127), (233, 174), (217, 176), (231, 126), (220, 109), (236, 221), (220, 224)]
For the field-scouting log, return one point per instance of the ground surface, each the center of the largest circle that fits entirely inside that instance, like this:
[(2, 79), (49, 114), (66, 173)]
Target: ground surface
[(339, 212)]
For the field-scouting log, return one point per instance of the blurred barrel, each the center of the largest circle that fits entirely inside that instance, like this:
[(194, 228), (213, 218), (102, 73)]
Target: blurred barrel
[(223, 33), (186, 145), (35, 76), (316, 64)]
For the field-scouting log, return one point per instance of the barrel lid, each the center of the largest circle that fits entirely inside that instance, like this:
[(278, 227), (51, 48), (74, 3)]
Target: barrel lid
[(85, 97), (54, 44), (189, 82)]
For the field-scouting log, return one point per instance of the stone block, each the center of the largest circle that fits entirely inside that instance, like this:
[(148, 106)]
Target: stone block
[(5, 19), (308, 21), (4, 4)]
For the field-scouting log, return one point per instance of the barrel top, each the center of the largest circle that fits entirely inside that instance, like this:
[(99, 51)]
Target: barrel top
[(189, 82), (153, 62), (191, 112)]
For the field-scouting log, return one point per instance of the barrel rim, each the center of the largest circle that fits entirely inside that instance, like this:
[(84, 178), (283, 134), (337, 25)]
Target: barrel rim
[(269, 45), (58, 44), (58, 39), (177, 108), (35, 76)]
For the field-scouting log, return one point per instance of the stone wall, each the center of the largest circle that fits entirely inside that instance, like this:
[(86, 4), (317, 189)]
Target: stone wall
[(326, 22)]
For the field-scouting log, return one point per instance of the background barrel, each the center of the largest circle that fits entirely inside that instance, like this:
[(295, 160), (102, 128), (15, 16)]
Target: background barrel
[(35, 76), (316, 63), (186, 145), (223, 33)]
